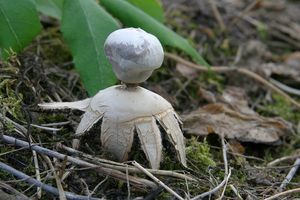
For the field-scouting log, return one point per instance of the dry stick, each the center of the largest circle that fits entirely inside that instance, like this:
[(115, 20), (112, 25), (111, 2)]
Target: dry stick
[(156, 180), (217, 14), (123, 167), (224, 150), (62, 194), (244, 12), (201, 196), (13, 191), (226, 177), (97, 186), (135, 181), (22, 130), (45, 187), (284, 158), (236, 192), (296, 190), (290, 175), (285, 88), (223, 69), (37, 172)]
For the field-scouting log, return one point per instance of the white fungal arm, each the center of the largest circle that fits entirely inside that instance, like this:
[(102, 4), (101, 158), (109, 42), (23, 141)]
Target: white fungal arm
[(76, 105)]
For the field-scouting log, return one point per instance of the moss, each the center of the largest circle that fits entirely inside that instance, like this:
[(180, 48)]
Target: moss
[(199, 153), (9, 101), (165, 195), (262, 30), (169, 162), (55, 50), (280, 107), (213, 80)]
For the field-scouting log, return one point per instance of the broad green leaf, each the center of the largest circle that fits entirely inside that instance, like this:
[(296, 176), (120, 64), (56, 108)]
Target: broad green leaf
[(151, 7), (52, 8), (19, 24), (85, 26), (134, 17)]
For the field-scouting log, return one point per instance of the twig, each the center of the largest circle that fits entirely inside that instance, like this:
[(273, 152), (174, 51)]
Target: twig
[(201, 196), (224, 150), (62, 195), (224, 69), (123, 167), (98, 185), (37, 172), (284, 158), (56, 124), (22, 130), (135, 181), (86, 187), (290, 175), (296, 190), (128, 185), (226, 177), (217, 14), (37, 183), (157, 180), (285, 87), (45, 128), (244, 12), (13, 191), (236, 192)]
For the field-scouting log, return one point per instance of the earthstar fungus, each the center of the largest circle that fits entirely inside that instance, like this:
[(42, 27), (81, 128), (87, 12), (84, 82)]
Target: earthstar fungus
[(128, 109)]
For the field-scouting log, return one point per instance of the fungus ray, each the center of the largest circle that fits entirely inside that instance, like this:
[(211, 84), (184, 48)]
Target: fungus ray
[(87, 121), (171, 125), (150, 138), (79, 105), (117, 138)]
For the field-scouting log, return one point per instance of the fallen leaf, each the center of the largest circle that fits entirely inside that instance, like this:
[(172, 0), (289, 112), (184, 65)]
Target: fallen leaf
[(206, 95), (235, 147), (235, 120), (186, 71)]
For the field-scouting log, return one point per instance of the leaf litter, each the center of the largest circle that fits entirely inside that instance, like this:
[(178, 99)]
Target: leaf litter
[(231, 117)]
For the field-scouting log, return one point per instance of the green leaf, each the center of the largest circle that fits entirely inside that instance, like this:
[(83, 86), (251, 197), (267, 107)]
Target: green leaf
[(85, 27), (133, 17), (19, 24), (52, 8), (151, 7)]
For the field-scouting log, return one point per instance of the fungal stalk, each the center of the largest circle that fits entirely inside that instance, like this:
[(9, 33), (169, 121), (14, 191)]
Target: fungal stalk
[(128, 109)]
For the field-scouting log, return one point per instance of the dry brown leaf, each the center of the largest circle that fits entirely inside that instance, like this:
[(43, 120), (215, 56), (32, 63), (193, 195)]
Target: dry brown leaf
[(186, 71), (235, 146), (235, 120)]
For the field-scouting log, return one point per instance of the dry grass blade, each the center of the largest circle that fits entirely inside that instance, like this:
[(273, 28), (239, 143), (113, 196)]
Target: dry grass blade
[(157, 180), (276, 196)]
